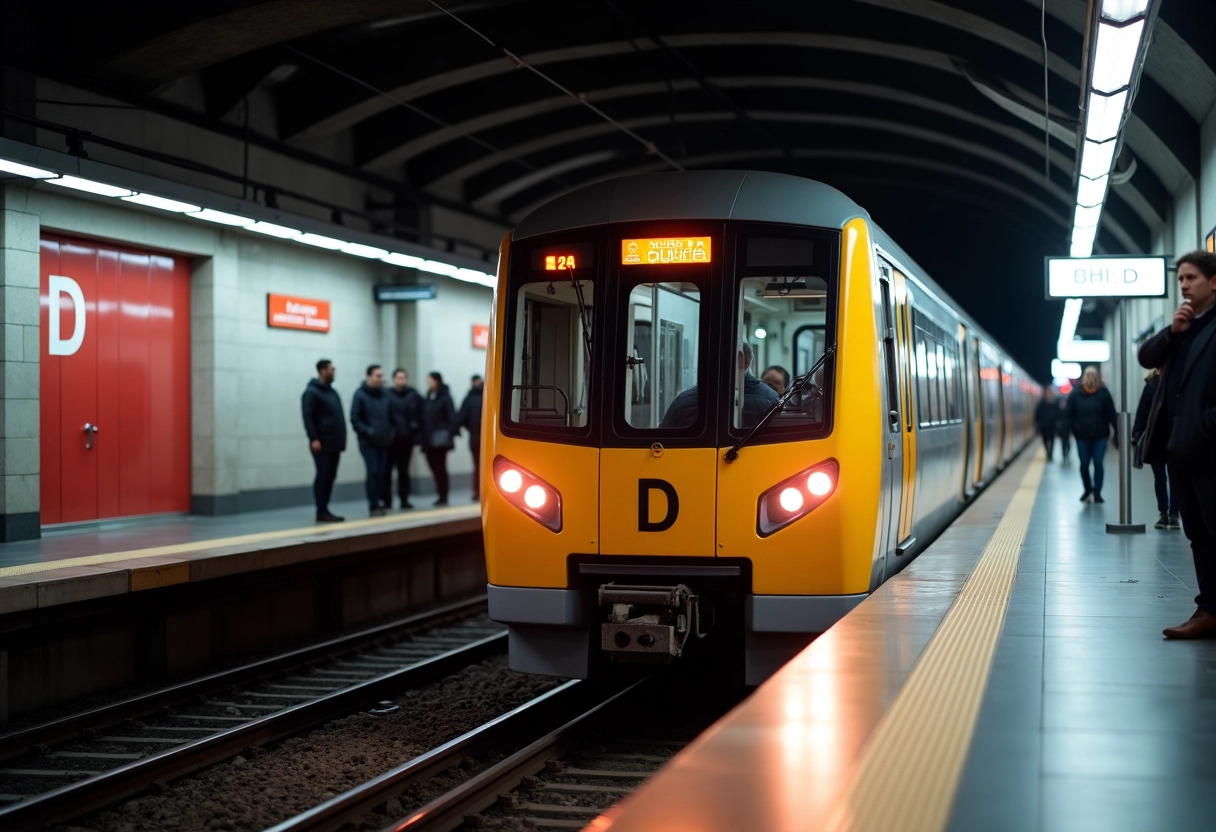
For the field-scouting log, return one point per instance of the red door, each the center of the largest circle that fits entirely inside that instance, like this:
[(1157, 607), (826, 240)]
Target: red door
[(115, 379)]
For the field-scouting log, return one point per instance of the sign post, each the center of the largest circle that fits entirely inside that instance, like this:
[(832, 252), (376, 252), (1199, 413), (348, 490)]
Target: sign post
[(1117, 277)]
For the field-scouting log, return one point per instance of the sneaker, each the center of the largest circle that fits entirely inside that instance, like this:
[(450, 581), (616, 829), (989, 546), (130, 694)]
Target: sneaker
[(1163, 521), (1085, 496), (326, 517), (1172, 522), (1098, 498)]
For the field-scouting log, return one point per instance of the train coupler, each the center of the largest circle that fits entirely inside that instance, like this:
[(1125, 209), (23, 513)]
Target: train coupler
[(648, 623)]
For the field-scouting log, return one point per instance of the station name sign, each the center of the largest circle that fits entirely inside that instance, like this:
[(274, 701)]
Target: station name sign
[(289, 312), (1106, 277), (405, 292)]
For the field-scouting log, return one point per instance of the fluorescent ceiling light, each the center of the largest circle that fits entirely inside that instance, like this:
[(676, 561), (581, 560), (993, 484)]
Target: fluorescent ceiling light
[(1096, 158), (1086, 352), (1115, 55), (320, 241), (161, 203), (408, 261), (1065, 369), (360, 250), (223, 219), (474, 276), (88, 185), (1122, 10), (436, 267), (1084, 234), (1086, 216), (25, 170), (274, 230), (1092, 191), (1081, 249), (1104, 115)]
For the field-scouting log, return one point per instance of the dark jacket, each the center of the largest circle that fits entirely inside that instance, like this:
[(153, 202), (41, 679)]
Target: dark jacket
[(438, 418), (369, 416), (1142, 409), (1046, 415), (1191, 440), (1091, 415), (469, 416), (405, 412), (758, 397), (323, 416)]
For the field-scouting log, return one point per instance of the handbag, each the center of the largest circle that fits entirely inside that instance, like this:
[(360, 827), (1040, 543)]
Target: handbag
[(442, 438), (1138, 452)]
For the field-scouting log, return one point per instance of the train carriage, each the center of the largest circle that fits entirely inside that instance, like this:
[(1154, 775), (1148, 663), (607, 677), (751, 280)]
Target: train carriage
[(645, 495)]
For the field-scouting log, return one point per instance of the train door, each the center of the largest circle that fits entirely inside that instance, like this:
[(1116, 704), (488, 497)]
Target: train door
[(978, 428), (903, 335), (893, 472)]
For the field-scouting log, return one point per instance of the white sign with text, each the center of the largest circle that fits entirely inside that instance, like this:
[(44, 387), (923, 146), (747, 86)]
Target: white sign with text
[(1105, 277)]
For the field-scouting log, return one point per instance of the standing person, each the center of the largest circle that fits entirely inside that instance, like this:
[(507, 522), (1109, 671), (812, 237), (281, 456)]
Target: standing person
[(369, 417), (405, 411), (1063, 429), (1091, 415), (1046, 415), (469, 418), (325, 424), (1180, 430), (438, 431), (1167, 510)]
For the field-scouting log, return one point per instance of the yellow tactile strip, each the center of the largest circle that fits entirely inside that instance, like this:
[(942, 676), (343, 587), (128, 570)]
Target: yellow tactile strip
[(909, 772), (306, 534)]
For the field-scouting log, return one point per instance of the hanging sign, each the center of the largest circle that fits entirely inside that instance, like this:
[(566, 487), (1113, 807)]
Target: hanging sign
[(1105, 277), (289, 312), (405, 292)]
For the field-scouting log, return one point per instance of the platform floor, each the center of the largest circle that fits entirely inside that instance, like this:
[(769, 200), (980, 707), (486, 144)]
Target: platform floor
[(1089, 718)]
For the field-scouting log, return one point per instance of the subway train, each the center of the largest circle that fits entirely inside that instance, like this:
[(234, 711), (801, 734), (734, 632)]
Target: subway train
[(645, 496)]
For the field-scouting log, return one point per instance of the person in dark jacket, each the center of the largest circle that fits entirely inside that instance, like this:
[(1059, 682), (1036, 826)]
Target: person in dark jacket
[(325, 424), (758, 397), (469, 418), (1046, 415), (1091, 415), (1167, 510), (1181, 426), (405, 412), (370, 418), (1063, 429), (438, 432)]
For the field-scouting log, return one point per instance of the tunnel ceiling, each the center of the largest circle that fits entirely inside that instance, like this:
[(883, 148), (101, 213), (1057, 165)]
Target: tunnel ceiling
[(930, 114)]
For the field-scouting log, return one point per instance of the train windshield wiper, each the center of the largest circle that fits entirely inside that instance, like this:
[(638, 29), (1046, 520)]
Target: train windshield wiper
[(795, 388)]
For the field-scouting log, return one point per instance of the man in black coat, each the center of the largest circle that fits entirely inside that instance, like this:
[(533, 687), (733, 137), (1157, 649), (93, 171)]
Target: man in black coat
[(325, 424), (469, 418), (1181, 427), (405, 411), (370, 419)]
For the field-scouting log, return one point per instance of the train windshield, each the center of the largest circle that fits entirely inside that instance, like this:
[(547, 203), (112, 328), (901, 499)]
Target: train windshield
[(783, 304)]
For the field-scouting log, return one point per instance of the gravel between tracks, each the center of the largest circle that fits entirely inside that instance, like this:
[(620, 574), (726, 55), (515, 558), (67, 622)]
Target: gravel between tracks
[(270, 785)]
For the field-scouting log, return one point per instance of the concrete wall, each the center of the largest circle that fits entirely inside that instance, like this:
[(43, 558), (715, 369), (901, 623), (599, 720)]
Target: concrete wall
[(248, 446)]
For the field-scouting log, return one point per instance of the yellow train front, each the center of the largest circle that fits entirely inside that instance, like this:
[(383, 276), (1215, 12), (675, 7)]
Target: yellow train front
[(645, 495)]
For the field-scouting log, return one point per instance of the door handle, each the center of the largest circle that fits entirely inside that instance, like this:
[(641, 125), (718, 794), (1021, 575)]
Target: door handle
[(91, 429)]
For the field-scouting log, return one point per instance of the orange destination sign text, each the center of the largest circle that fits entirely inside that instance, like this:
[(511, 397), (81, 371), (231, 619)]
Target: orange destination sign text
[(665, 251), (289, 312)]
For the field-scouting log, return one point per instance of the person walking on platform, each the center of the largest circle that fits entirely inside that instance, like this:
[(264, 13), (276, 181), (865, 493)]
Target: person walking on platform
[(438, 431), (469, 418), (1063, 429), (405, 411), (1181, 426), (1091, 415), (1046, 415), (370, 418), (325, 424), (1167, 510)]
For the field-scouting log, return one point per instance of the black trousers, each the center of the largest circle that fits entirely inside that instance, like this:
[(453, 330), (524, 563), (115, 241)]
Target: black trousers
[(1049, 440), (327, 472), (437, 458), (475, 450), (1195, 496), (399, 459), (376, 461)]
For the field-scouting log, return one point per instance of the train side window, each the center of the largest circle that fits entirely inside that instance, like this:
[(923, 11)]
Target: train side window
[(551, 353)]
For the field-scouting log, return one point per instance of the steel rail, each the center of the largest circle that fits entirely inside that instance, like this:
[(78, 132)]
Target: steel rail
[(77, 799), (66, 728)]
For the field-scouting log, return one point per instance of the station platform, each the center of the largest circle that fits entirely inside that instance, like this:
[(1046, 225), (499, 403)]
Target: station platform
[(1013, 677)]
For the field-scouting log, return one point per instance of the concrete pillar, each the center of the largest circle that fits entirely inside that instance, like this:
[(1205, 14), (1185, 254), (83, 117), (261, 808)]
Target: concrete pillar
[(215, 382), (19, 352)]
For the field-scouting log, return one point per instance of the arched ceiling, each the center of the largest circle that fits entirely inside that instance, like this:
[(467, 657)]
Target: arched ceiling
[(928, 112)]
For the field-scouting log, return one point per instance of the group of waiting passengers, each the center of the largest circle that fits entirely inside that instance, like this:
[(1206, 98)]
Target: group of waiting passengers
[(389, 422)]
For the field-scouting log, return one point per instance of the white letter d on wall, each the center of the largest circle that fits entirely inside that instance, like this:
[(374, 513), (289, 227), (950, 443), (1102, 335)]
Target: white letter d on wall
[(58, 285)]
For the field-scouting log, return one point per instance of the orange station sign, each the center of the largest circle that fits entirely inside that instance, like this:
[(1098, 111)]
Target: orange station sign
[(481, 336), (290, 312)]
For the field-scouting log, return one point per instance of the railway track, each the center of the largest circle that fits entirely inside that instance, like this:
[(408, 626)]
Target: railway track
[(64, 769)]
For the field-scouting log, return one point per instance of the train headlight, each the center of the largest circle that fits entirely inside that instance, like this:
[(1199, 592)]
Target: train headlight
[(796, 497), (529, 493)]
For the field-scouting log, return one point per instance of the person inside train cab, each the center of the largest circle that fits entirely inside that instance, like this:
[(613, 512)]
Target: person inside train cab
[(778, 378), (1181, 426), (369, 416), (758, 397), (1091, 415), (325, 424)]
